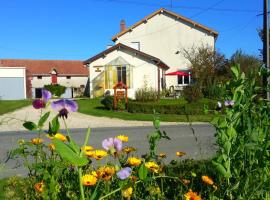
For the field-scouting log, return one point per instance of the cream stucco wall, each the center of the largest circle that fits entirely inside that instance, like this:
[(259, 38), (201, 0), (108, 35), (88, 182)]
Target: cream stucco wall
[(162, 36), (142, 70), (74, 81)]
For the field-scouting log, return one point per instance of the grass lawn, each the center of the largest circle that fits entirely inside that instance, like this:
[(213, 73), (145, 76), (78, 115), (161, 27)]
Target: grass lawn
[(11, 105), (95, 108)]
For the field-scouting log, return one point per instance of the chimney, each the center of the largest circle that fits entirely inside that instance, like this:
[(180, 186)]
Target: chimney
[(122, 25)]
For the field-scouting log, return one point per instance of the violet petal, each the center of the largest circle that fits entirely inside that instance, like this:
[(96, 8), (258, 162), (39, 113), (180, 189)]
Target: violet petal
[(124, 173), (107, 143)]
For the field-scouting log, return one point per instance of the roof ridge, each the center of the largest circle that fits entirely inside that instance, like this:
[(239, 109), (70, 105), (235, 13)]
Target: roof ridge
[(26, 59), (114, 38)]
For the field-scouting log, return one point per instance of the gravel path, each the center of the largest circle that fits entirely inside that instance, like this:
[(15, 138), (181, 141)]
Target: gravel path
[(13, 121)]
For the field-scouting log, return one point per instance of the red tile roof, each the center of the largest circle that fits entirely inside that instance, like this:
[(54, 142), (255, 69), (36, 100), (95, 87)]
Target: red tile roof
[(44, 67)]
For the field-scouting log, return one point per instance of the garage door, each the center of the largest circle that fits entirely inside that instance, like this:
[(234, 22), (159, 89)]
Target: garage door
[(12, 83)]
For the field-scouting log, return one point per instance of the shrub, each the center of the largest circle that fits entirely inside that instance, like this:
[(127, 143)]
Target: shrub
[(174, 108), (56, 89), (214, 91), (146, 94), (192, 93), (107, 101)]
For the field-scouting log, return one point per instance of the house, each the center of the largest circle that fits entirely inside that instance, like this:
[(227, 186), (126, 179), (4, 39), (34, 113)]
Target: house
[(160, 37), (25, 78)]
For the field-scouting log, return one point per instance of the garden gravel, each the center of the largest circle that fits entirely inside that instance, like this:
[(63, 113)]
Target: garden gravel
[(13, 121)]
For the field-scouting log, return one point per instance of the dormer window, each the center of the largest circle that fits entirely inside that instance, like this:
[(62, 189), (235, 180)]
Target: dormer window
[(54, 76)]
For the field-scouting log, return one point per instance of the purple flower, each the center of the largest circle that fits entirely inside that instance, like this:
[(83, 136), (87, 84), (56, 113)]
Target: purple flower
[(229, 103), (64, 106), (46, 95), (112, 143), (41, 103), (38, 104), (124, 173)]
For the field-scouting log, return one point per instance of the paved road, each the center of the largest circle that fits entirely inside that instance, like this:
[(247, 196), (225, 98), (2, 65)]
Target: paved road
[(181, 136)]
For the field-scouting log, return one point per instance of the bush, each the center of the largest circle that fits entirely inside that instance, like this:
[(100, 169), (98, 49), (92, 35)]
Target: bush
[(175, 108), (56, 89), (107, 101), (192, 93), (213, 91), (146, 94)]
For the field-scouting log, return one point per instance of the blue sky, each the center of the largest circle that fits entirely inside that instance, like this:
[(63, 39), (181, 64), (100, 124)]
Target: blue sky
[(79, 29)]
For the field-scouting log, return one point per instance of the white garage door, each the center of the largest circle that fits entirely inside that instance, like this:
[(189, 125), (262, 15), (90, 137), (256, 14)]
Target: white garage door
[(12, 83)]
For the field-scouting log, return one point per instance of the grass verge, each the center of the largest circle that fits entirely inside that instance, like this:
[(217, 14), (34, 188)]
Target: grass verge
[(11, 105)]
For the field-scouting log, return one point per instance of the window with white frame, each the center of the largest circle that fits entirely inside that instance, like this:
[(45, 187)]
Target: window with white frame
[(184, 80), (135, 45)]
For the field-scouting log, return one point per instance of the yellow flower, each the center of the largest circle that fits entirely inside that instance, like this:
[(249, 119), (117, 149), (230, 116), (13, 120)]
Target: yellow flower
[(36, 141), (105, 173), (90, 154), (51, 147), (190, 195), (185, 181), (59, 136), (152, 166), (129, 149), (207, 180), (89, 180), (134, 161), (99, 154), (215, 187), (180, 153), (86, 149), (127, 192), (162, 155), (123, 138), (39, 187)]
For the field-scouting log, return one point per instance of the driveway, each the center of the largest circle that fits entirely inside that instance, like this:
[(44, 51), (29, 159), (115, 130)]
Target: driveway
[(13, 121)]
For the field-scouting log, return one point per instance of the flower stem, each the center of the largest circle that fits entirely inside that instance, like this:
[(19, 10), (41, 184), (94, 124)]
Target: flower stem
[(80, 182)]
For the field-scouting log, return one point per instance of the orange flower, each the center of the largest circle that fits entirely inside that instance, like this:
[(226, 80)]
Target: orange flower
[(39, 187), (51, 147), (207, 180), (180, 153), (129, 149), (162, 155), (152, 166), (99, 154), (190, 195), (36, 141), (105, 173)]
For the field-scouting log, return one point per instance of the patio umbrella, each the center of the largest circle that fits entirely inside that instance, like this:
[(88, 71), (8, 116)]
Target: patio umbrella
[(177, 73)]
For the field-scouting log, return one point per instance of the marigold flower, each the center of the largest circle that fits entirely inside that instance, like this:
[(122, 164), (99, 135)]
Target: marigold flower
[(180, 153), (36, 141), (129, 149), (39, 187), (123, 138), (162, 155), (51, 147), (90, 154), (87, 148), (127, 192), (190, 195), (105, 173), (134, 161), (207, 180), (152, 166), (98, 154), (89, 180)]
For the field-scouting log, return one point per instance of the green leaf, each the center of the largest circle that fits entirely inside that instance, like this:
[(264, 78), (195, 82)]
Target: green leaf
[(55, 125), (31, 126), (68, 154), (143, 172), (235, 71), (221, 169), (156, 123), (43, 119)]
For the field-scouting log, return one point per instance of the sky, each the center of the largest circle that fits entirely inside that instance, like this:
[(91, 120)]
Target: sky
[(79, 29)]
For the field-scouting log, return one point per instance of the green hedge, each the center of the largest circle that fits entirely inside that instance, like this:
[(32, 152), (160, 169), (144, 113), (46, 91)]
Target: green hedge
[(176, 108)]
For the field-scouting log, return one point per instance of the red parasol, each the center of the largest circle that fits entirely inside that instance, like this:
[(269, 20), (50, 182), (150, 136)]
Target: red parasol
[(177, 73)]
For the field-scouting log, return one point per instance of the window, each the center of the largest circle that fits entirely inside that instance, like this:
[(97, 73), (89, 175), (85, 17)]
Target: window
[(39, 77), (184, 80), (68, 77), (180, 80), (135, 45), (122, 74)]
